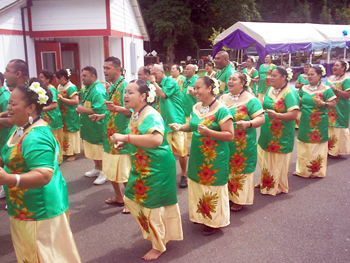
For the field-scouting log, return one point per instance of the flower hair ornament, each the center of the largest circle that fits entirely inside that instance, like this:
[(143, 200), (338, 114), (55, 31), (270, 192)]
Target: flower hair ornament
[(289, 74), (323, 70), (346, 65), (151, 94), (69, 73), (42, 97), (247, 80), (253, 59), (196, 69), (181, 69), (215, 84)]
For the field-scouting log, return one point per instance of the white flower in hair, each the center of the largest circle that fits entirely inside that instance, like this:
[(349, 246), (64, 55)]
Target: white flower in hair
[(216, 86), (69, 73), (181, 69), (249, 79), (196, 68), (346, 65), (151, 94), (323, 70), (289, 74), (42, 99), (35, 87), (253, 59)]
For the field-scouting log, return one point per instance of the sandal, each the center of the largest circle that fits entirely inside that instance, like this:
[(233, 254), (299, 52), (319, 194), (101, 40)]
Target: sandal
[(111, 201), (257, 185), (235, 207), (125, 211), (71, 158)]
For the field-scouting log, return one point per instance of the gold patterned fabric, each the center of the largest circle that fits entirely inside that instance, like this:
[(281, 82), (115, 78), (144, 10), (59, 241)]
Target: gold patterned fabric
[(339, 141), (208, 205), (274, 171), (93, 151), (116, 167), (158, 225), (178, 143), (71, 143), (49, 240), (311, 159), (241, 188), (58, 134)]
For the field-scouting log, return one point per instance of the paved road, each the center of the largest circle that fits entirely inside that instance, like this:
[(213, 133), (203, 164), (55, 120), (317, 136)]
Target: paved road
[(310, 224)]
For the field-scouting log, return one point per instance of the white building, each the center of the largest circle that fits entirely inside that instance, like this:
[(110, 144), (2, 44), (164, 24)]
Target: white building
[(55, 34)]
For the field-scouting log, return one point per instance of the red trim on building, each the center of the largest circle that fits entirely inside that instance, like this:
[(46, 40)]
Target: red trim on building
[(116, 33), (71, 33), (11, 32), (108, 16), (122, 51), (106, 46)]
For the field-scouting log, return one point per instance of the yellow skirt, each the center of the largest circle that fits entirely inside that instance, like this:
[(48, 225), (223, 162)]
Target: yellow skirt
[(209, 205), (261, 97), (178, 143), (241, 188), (71, 143), (158, 225), (58, 134), (116, 167), (188, 134), (311, 159), (274, 171), (93, 151), (339, 141), (44, 241)]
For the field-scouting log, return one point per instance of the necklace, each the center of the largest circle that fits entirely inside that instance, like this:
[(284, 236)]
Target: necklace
[(313, 88), (86, 94), (277, 91), (205, 109), (236, 97), (114, 87), (135, 116), (20, 130), (337, 78)]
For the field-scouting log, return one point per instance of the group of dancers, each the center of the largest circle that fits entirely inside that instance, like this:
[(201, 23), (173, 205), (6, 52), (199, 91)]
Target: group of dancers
[(133, 130)]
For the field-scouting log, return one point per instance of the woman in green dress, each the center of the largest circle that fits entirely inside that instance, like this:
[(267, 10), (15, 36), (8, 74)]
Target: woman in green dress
[(52, 114), (248, 115), (212, 127), (150, 193), (175, 73), (338, 131), (68, 99), (36, 192), (265, 71), (301, 81), (312, 145), (209, 69), (276, 141), (252, 73)]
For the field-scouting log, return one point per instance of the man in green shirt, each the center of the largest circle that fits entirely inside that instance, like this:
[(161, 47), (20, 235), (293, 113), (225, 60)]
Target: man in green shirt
[(92, 96), (171, 109), (188, 97), (225, 70)]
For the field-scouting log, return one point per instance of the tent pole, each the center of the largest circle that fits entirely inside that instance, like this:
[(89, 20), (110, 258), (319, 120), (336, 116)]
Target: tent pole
[(282, 59), (290, 60), (328, 55), (311, 57)]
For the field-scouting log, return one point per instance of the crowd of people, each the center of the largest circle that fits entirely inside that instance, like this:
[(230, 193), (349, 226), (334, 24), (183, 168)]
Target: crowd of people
[(132, 130)]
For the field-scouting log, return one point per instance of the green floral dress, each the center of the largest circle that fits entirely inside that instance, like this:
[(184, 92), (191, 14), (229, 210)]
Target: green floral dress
[(314, 120), (303, 79), (69, 116), (277, 136), (243, 148), (115, 122), (4, 100), (253, 73), (209, 157), (92, 97), (265, 71), (37, 148), (53, 117), (152, 179)]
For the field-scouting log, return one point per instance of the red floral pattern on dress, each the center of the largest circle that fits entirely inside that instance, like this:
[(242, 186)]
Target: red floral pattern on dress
[(140, 189), (208, 149), (207, 204), (315, 165), (23, 214), (143, 221), (315, 118), (141, 162), (279, 106), (208, 120), (274, 147), (315, 136), (235, 183), (267, 180), (332, 117), (237, 163), (240, 139), (111, 129), (206, 174), (332, 142), (241, 113), (276, 127)]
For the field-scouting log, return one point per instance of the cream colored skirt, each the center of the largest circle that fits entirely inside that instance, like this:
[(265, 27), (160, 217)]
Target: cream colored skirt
[(209, 205), (71, 143), (311, 159), (178, 143), (241, 188), (274, 171), (58, 134), (44, 241), (339, 141), (116, 167), (93, 151), (158, 225)]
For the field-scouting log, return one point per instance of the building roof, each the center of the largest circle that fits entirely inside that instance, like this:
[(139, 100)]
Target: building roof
[(139, 17)]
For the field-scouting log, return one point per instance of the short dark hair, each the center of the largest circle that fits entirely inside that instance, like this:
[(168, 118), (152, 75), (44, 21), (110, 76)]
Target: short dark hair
[(47, 74), (143, 88), (115, 61), (22, 66), (92, 70), (210, 64), (282, 71), (62, 73), (32, 98), (146, 70), (2, 78)]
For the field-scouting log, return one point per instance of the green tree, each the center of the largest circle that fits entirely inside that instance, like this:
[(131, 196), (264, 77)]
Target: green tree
[(300, 14), (325, 16), (342, 15)]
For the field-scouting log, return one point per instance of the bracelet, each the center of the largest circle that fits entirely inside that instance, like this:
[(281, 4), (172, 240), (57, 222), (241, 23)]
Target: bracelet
[(251, 124), (129, 141), (18, 180)]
